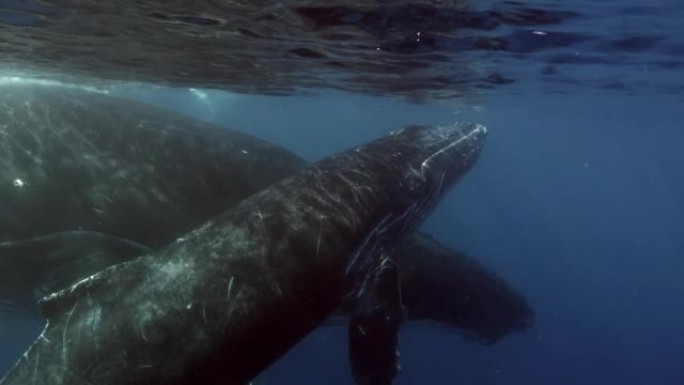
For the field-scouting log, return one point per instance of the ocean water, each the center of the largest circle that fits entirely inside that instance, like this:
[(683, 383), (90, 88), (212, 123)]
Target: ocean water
[(575, 200)]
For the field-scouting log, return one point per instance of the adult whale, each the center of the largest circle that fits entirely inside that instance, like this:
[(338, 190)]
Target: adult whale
[(221, 303), (91, 180)]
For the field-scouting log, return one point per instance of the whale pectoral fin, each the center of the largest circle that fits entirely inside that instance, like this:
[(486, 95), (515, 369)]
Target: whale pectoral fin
[(42, 265), (374, 325), (80, 254)]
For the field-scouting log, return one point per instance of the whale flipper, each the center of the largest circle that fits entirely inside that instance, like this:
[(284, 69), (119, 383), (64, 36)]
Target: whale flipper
[(479, 302), (42, 265), (374, 324)]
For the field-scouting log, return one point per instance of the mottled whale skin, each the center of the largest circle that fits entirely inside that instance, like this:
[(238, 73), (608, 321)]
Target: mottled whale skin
[(98, 159), (90, 180), (224, 301)]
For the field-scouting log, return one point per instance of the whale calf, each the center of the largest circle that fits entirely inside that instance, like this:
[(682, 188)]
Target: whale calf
[(90, 180), (223, 302)]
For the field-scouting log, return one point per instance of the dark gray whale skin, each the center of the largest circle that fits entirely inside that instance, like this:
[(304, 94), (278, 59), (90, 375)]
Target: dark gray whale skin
[(99, 159), (221, 303), (105, 179), (488, 308)]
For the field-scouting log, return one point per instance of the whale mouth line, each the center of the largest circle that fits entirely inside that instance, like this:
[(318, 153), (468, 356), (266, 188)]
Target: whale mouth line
[(479, 129)]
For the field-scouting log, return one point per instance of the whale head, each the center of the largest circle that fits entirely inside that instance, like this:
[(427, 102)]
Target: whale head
[(411, 170), (432, 160), (440, 156)]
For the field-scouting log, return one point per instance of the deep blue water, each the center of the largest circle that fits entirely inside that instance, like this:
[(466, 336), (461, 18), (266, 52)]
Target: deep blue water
[(575, 201)]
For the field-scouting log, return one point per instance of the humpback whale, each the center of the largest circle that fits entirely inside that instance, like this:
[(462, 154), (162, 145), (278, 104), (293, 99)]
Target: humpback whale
[(90, 180), (222, 302)]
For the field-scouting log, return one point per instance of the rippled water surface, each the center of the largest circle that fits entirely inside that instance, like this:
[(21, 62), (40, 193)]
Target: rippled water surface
[(414, 49)]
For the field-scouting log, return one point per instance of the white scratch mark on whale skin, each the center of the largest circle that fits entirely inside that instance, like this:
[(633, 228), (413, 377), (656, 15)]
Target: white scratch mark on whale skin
[(320, 235), (64, 335), (42, 337), (230, 288), (142, 331), (35, 369)]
